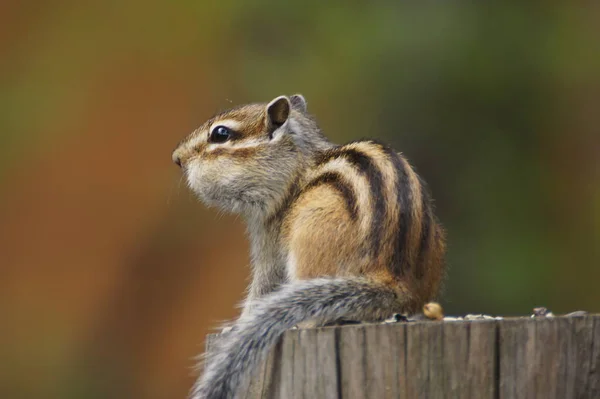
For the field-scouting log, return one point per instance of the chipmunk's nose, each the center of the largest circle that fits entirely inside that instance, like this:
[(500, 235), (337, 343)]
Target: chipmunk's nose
[(177, 160), (176, 157)]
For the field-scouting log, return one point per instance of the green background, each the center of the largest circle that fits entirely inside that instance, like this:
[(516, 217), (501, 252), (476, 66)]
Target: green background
[(112, 273)]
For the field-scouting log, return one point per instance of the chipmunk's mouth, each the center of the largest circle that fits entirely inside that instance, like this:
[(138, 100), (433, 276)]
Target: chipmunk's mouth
[(192, 176)]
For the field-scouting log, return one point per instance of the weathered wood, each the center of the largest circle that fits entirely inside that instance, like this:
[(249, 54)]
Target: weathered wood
[(549, 358), (469, 359), (555, 357), (310, 366), (369, 361), (593, 384)]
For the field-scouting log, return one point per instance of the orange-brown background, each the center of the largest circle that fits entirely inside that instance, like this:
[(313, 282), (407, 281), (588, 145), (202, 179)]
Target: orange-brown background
[(111, 273)]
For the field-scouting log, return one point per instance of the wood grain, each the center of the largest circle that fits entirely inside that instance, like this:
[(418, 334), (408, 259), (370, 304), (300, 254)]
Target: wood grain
[(555, 357)]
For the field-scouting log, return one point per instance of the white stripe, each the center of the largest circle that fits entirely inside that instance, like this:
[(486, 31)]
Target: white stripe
[(358, 183), (250, 143), (228, 123)]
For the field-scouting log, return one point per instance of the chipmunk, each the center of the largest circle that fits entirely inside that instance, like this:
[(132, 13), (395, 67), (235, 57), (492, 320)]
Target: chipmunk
[(337, 231)]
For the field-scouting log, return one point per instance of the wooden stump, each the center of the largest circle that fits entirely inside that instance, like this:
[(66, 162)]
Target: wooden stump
[(546, 358)]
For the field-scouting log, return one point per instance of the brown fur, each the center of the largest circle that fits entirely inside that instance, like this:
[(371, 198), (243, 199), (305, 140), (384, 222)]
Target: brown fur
[(333, 219), (316, 210)]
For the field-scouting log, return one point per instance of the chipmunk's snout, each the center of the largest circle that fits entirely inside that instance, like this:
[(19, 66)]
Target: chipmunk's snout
[(177, 157), (177, 161)]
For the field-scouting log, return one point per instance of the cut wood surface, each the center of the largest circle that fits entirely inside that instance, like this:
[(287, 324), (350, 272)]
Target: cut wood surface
[(556, 357)]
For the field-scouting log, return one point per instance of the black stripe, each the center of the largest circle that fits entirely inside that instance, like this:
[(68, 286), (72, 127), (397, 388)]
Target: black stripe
[(400, 265), (288, 201), (336, 181), (366, 166), (426, 225)]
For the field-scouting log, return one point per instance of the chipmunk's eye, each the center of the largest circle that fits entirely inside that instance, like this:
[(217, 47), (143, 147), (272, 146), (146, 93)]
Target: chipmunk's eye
[(220, 134)]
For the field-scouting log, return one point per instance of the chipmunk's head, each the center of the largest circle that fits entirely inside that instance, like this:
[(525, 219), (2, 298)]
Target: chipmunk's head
[(245, 159)]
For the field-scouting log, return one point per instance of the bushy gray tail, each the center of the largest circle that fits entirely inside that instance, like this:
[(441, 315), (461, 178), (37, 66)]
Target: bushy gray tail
[(228, 368)]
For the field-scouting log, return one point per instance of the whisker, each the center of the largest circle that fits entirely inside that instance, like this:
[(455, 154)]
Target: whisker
[(178, 188)]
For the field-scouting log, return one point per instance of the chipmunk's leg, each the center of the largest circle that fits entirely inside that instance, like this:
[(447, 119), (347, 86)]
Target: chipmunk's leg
[(267, 276)]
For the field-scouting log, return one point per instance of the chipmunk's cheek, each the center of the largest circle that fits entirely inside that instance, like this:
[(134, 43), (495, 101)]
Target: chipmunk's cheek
[(206, 181), (195, 177)]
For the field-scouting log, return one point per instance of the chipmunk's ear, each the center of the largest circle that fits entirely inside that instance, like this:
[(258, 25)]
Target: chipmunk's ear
[(298, 102), (278, 111)]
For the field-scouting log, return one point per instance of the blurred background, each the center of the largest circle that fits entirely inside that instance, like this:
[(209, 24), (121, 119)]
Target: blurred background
[(111, 272)]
